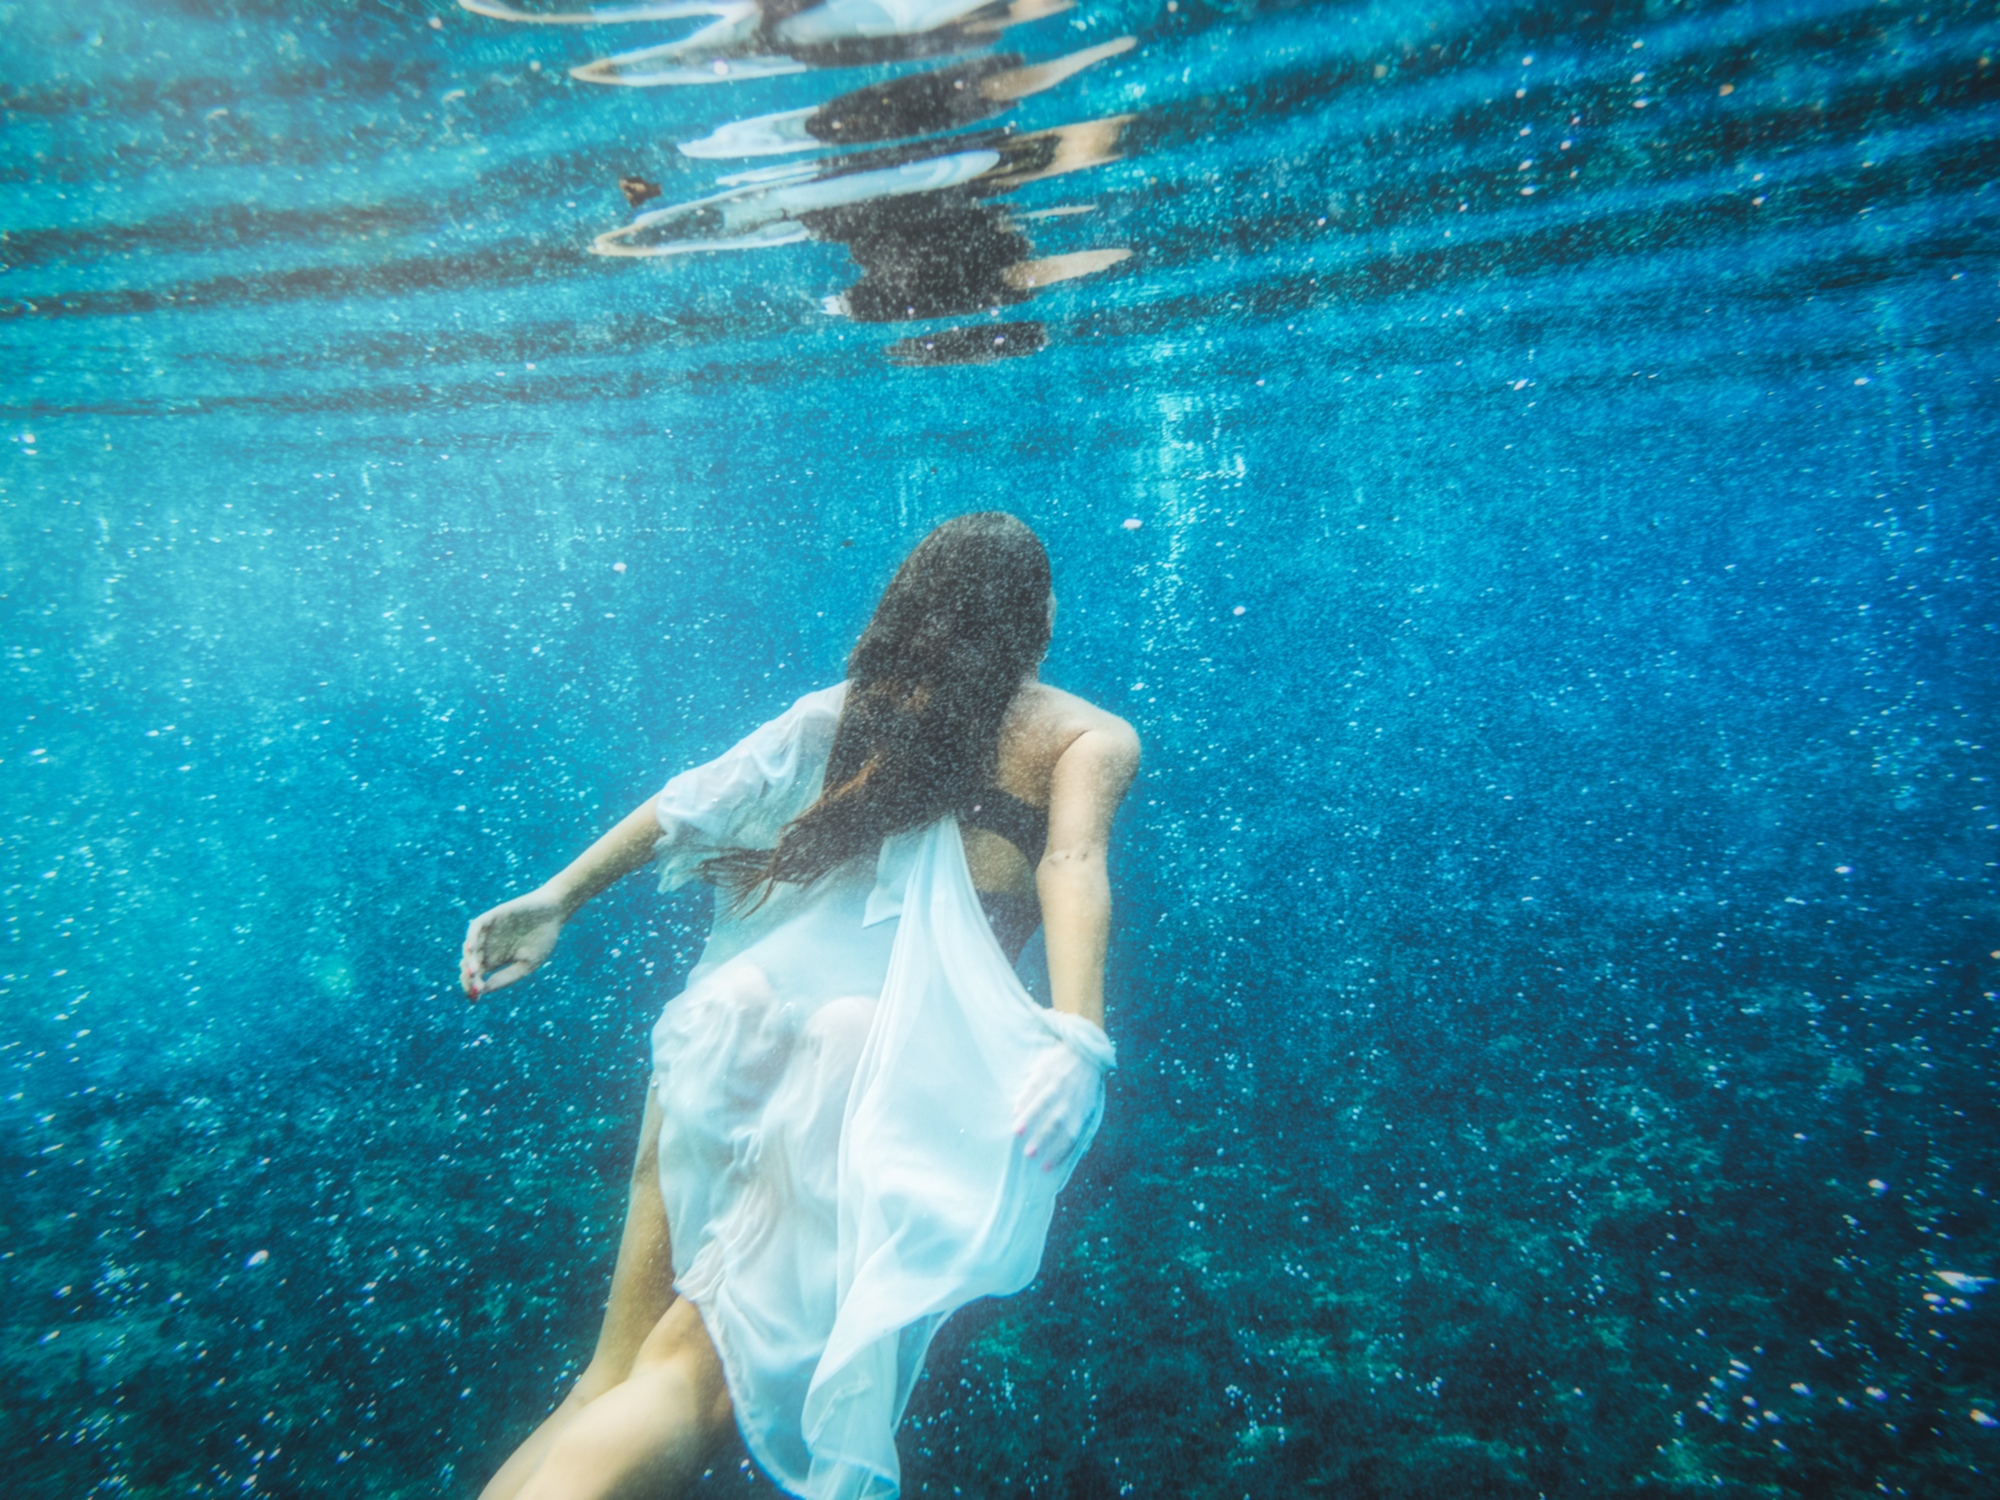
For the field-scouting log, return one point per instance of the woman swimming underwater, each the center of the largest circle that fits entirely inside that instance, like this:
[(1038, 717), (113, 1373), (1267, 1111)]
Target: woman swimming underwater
[(858, 1120)]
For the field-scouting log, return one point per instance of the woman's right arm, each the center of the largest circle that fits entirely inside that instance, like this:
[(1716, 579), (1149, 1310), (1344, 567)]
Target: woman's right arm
[(510, 941), (1064, 1087), (1090, 780)]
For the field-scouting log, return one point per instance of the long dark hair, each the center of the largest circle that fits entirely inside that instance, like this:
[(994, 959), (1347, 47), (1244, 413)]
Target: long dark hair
[(963, 622)]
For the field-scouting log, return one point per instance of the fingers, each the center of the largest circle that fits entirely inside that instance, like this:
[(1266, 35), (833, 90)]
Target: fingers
[(1054, 1139), (500, 978), (471, 962), (1043, 1125), (1046, 1122), (483, 951), (1055, 1106), (512, 938), (1033, 1101), (1037, 1096)]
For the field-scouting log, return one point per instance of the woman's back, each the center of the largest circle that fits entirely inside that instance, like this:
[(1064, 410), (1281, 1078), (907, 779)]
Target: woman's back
[(1042, 722)]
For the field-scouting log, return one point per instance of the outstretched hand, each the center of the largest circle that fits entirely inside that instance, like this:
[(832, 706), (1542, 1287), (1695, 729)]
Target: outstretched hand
[(509, 942)]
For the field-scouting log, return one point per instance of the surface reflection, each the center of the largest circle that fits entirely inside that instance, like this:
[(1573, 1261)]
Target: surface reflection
[(919, 211), (928, 103), (745, 39)]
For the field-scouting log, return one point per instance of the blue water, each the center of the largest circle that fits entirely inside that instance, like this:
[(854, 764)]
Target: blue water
[(1557, 935)]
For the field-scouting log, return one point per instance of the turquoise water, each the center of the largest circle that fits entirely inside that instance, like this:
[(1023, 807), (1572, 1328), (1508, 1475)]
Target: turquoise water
[(1558, 939)]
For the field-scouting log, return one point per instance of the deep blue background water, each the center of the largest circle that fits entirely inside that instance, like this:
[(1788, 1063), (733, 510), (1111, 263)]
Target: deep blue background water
[(1558, 935)]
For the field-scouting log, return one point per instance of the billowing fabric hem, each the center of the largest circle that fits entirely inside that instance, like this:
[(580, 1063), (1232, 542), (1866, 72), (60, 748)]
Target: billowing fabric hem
[(919, 1199), (930, 1219), (736, 1378)]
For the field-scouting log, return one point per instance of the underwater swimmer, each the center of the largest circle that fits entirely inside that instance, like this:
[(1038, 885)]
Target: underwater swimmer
[(798, 1222)]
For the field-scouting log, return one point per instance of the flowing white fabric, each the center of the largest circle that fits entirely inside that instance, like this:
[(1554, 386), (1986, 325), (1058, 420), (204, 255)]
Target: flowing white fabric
[(839, 1085)]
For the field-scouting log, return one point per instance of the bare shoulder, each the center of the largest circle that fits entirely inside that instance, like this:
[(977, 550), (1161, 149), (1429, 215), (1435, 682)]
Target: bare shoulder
[(1048, 725)]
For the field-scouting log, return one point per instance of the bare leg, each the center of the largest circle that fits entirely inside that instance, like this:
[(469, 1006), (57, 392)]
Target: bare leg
[(641, 1293), (650, 1435)]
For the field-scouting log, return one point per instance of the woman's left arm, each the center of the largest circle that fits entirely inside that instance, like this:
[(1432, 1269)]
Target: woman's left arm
[(510, 941), (745, 795), (1090, 780)]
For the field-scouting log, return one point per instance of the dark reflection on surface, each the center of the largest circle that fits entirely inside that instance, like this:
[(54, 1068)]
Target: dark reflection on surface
[(952, 253), (927, 103), (919, 215), (919, 219), (638, 190)]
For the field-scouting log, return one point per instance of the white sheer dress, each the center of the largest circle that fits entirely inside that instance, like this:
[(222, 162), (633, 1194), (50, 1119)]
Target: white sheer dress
[(838, 1084)]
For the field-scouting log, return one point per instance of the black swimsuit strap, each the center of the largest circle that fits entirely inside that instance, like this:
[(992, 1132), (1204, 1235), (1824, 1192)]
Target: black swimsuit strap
[(1021, 824), (1013, 916)]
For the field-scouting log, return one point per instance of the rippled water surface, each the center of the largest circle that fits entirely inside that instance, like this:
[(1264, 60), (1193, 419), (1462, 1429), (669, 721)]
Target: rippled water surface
[(1526, 471)]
